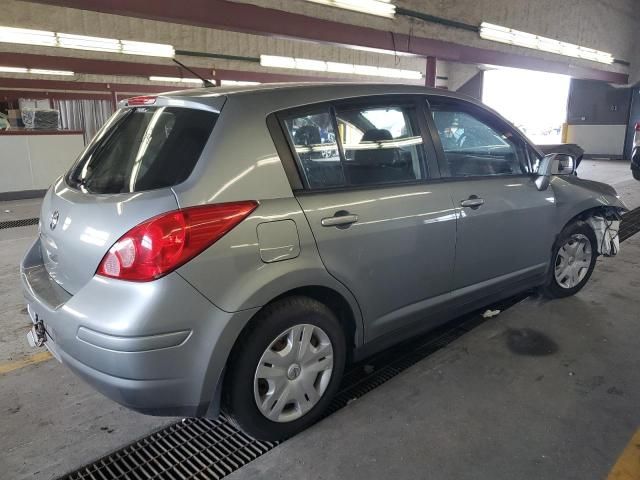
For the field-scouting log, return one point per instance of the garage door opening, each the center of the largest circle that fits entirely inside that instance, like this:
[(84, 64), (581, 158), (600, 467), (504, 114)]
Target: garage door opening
[(535, 102)]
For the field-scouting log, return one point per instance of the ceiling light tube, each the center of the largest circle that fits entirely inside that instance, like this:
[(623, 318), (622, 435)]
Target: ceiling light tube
[(42, 71), (14, 70), (277, 61), (35, 71), (498, 33), (26, 36), (383, 8), (176, 80), (336, 67), (83, 42), (130, 47), (225, 83)]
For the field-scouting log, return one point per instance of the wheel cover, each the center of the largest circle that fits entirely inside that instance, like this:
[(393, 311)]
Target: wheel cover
[(573, 261), (293, 373)]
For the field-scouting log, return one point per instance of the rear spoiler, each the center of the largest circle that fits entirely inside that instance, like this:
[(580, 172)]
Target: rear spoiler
[(569, 148)]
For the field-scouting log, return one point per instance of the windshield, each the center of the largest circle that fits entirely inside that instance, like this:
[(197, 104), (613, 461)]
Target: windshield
[(144, 149)]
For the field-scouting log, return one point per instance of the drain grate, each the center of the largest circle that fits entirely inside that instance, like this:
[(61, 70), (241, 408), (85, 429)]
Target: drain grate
[(193, 448), (630, 224), (198, 448), (18, 223)]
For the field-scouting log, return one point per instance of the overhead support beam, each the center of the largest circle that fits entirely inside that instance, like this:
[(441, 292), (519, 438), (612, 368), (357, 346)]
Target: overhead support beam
[(247, 18)]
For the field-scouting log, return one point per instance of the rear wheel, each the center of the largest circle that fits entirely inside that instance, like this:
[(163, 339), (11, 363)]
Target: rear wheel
[(285, 368), (572, 262), (636, 173)]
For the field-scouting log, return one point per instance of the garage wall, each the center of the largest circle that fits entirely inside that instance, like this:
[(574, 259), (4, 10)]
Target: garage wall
[(597, 117)]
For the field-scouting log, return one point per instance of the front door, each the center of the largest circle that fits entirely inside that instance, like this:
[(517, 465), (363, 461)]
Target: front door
[(381, 228), (505, 224)]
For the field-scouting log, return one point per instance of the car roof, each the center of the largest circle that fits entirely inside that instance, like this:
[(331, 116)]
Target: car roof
[(329, 90)]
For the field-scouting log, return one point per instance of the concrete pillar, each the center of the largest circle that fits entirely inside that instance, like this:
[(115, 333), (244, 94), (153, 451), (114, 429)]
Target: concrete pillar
[(430, 77)]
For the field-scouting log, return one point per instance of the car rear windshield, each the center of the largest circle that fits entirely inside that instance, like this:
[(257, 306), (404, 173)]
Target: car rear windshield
[(145, 148)]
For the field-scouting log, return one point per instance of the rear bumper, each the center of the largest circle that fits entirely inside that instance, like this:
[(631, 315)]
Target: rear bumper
[(157, 347)]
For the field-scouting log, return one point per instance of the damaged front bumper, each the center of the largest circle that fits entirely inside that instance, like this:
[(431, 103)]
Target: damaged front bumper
[(606, 227)]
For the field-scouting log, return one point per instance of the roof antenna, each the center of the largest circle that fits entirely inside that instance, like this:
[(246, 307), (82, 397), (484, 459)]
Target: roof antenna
[(206, 82)]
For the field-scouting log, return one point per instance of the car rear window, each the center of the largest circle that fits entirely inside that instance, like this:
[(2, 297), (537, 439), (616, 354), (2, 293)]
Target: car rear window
[(145, 148)]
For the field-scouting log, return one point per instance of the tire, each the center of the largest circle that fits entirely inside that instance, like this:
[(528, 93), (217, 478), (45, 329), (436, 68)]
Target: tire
[(636, 173), (293, 389), (563, 282)]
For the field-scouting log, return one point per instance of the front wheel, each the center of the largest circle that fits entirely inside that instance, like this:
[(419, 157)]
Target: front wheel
[(636, 173), (285, 368), (572, 262)]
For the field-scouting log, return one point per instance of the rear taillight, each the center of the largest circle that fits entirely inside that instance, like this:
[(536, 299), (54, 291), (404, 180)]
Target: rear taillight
[(638, 127), (163, 243)]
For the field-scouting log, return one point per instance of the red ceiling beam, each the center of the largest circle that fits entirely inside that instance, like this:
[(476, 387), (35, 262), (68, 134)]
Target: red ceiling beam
[(241, 17)]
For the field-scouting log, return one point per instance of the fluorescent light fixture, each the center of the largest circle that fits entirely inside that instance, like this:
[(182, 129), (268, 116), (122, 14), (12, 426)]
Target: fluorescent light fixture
[(42, 71), (497, 33), (225, 83), (26, 36), (336, 67), (176, 80), (14, 70), (383, 8), (145, 48), (83, 42), (35, 71)]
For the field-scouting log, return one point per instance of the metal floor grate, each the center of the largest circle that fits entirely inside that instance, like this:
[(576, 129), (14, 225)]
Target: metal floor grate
[(18, 223), (630, 224), (197, 448), (193, 448)]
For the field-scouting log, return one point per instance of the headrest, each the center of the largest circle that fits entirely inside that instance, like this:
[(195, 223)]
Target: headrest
[(376, 135), (307, 135), (375, 155)]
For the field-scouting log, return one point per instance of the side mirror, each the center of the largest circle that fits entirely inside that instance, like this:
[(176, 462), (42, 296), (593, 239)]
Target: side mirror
[(563, 164), (554, 164)]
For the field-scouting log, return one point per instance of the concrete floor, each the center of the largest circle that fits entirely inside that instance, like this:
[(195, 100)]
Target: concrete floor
[(493, 404)]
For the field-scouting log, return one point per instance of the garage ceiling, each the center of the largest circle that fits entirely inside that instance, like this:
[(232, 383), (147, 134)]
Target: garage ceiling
[(223, 40)]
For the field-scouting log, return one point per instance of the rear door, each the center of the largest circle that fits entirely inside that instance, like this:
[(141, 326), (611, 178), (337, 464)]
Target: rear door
[(505, 228), (123, 178), (383, 227)]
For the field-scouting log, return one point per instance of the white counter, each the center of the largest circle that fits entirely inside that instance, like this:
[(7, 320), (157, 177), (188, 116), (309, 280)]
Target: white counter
[(33, 160)]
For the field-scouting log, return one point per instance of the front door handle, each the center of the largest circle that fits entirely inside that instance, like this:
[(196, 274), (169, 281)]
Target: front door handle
[(340, 219), (472, 202)]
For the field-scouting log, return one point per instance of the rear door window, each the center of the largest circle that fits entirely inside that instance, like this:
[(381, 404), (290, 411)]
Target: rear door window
[(146, 149), (381, 144), (364, 142)]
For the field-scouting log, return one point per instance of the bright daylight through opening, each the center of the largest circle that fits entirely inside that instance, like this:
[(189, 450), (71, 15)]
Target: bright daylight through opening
[(535, 102)]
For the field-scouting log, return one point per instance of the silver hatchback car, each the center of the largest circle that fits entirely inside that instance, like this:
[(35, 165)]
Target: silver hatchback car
[(234, 248)]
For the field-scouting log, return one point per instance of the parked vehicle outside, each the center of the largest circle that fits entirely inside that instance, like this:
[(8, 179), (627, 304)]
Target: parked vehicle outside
[(236, 247)]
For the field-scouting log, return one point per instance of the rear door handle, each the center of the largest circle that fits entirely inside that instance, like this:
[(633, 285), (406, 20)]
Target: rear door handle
[(472, 202), (339, 220)]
